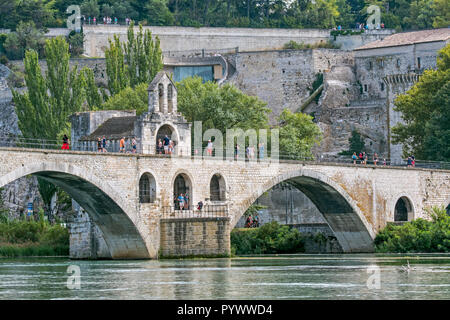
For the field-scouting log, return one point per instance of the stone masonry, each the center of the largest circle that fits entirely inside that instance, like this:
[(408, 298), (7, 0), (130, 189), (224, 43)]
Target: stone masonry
[(195, 237), (355, 201)]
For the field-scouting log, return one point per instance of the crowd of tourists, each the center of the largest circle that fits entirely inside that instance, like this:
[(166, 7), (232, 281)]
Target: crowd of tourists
[(363, 158), (106, 20), (252, 221), (165, 146), (362, 26), (102, 143)]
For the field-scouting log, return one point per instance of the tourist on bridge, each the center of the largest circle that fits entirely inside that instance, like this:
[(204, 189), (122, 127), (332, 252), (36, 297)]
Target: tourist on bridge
[(171, 147), (186, 201), (133, 145), (361, 158), (200, 206), (261, 150), (180, 201), (236, 151), (66, 142), (122, 145), (375, 158), (354, 157), (209, 148), (166, 144), (104, 144), (99, 145), (409, 162)]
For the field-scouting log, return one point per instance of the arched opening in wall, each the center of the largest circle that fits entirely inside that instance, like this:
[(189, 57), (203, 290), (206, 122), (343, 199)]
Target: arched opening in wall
[(166, 134), (403, 210), (217, 188), (310, 204), (448, 209), (119, 237), (182, 192), (170, 98), (147, 188), (161, 97)]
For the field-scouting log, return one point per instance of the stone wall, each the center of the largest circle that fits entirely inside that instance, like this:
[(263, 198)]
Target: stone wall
[(185, 38), (195, 237), (283, 78), (86, 239), (356, 201)]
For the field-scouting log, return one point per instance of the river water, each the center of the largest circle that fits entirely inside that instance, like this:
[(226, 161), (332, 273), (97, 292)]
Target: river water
[(342, 276)]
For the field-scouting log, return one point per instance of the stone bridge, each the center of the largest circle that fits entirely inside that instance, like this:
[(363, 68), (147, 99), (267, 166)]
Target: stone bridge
[(355, 200)]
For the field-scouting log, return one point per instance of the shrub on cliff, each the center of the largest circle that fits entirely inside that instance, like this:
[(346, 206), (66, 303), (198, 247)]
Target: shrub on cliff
[(419, 235)]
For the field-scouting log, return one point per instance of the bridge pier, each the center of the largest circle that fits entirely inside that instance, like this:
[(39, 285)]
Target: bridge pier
[(195, 237)]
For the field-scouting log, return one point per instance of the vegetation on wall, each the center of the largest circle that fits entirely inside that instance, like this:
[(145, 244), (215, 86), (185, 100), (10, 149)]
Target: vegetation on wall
[(356, 144), (269, 239), (419, 235)]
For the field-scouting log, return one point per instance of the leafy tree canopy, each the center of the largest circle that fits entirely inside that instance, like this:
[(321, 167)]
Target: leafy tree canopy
[(425, 112)]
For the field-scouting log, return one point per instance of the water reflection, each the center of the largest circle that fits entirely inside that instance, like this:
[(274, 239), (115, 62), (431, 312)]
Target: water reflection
[(279, 277)]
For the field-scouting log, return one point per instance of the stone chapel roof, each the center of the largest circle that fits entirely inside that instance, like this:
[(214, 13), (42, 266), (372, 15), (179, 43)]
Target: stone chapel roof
[(114, 128), (408, 38), (157, 79)]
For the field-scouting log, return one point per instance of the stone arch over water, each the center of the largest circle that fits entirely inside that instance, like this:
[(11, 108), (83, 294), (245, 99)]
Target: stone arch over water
[(339, 210), (105, 207), (403, 210)]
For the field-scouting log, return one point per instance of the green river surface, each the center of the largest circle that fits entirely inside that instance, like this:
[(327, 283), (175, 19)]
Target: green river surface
[(342, 276)]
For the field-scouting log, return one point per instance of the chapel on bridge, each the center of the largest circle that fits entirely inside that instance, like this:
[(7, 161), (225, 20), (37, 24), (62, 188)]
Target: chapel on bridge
[(161, 119)]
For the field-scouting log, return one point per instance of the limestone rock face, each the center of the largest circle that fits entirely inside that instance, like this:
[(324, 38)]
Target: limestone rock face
[(8, 117), (17, 194)]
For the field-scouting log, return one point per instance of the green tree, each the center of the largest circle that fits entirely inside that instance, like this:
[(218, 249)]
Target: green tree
[(47, 190), (26, 36), (129, 99), (90, 8), (75, 40), (158, 14), (44, 109), (133, 63), (356, 144), (223, 107), (115, 67), (442, 10), (298, 135), (93, 97), (107, 10), (425, 113)]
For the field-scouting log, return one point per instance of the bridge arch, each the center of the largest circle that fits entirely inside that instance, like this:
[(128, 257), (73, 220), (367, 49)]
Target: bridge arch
[(105, 206), (147, 188), (401, 201), (171, 132), (182, 182), (217, 187), (341, 212), (403, 209)]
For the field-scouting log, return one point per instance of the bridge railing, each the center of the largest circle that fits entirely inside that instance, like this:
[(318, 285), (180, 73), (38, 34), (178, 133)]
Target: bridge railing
[(207, 211), (229, 155)]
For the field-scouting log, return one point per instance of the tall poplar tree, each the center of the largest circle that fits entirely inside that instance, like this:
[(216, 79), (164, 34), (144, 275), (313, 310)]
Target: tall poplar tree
[(43, 111), (136, 61)]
